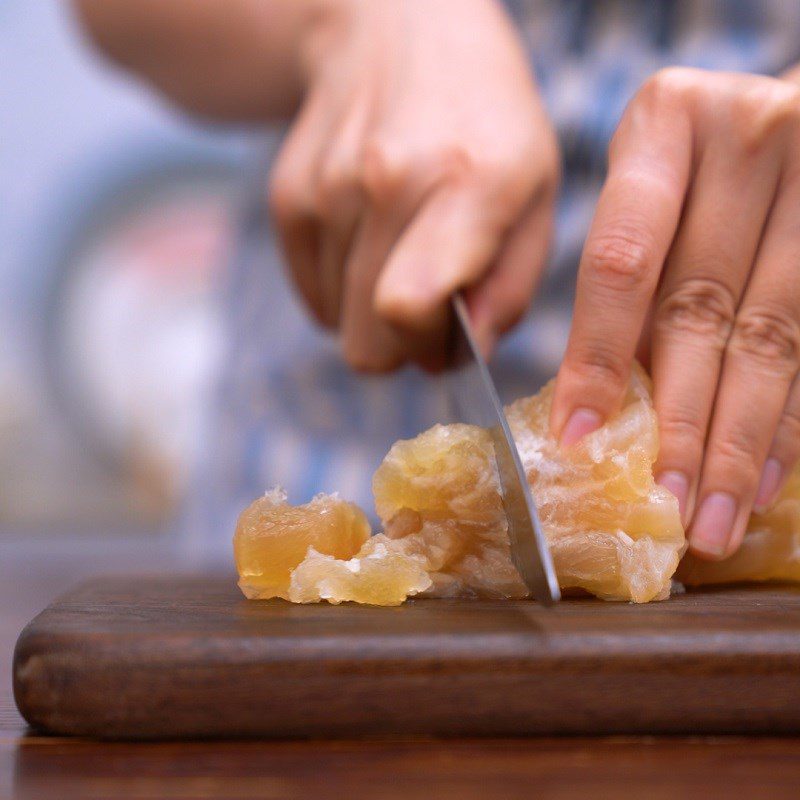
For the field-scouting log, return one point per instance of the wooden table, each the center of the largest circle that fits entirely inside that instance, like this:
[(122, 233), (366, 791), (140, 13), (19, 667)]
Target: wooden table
[(31, 766)]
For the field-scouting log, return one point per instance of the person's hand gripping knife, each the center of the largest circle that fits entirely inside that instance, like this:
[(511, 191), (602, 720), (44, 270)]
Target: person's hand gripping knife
[(421, 162), (694, 253)]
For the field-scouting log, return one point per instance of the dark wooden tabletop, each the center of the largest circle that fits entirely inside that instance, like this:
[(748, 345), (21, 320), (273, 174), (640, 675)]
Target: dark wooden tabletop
[(33, 572)]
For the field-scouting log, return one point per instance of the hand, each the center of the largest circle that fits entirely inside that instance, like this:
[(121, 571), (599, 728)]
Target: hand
[(420, 163), (695, 246)]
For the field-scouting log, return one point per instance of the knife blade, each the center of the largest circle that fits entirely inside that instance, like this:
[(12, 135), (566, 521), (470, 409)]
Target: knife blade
[(475, 397)]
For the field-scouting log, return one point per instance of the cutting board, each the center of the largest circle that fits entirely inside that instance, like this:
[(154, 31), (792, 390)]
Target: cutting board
[(158, 657)]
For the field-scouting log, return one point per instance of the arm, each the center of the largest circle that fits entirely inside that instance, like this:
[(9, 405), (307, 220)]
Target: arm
[(228, 59)]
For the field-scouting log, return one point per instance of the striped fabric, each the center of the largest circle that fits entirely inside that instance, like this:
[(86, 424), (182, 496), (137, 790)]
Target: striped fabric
[(289, 412)]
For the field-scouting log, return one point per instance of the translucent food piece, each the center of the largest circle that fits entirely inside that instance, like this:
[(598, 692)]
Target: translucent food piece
[(445, 473), (438, 495), (611, 530), (378, 576), (770, 550), (273, 537)]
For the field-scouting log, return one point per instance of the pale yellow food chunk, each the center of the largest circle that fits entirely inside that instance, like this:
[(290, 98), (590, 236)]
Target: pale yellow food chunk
[(272, 538), (611, 530), (378, 576), (438, 498), (770, 550)]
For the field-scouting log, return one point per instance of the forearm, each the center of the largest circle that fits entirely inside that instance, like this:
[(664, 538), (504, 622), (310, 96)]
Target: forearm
[(229, 59)]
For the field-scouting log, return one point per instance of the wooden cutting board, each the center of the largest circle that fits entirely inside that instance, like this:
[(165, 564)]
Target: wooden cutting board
[(185, 657)]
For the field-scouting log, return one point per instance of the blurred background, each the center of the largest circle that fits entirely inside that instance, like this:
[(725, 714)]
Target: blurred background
[(116, 216)]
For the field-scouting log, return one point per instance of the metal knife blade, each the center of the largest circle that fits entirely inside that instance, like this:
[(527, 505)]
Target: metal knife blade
[(475, 398)]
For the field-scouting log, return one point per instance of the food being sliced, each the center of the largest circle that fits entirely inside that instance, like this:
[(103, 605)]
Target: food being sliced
[(612, 531)]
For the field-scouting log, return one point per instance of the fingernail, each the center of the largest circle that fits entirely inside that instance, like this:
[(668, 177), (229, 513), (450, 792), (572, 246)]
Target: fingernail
[(582, 421), (677, 483), (771, 478), (713, 524)]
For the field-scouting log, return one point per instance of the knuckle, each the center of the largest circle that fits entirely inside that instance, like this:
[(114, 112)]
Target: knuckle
[(734, 453), (596, 365), (668, 86), (762, 110), (533, 166), (496, 179), (455, 163), (619, 260), (684, 427), (703, 307), (385, 168), (336, 178), (770, 338)]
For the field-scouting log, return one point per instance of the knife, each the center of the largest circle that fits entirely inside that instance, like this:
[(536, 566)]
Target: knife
[(475, 398)]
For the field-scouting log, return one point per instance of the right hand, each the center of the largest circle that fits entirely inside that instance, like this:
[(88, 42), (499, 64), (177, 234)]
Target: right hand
[(421, 163)]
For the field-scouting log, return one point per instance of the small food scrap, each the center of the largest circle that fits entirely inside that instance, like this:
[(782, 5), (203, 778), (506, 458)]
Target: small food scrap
[(273, 538)]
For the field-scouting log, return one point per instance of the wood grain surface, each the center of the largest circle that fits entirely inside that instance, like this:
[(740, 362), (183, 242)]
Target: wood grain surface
[(35, 767), (187, 657), (516, 769)]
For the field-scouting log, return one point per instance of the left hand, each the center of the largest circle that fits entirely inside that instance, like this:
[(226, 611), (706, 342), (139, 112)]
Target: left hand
[(694, 252)]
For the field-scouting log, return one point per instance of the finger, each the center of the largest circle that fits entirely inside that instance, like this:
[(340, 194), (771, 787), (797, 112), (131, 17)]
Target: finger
[(447, 246), (498, 301), (761, 363), (332, 255), (369, 343), (702, 286), (644, 347), (293, 200), (396, 188), (783, 455), (635, 221), (341, 202)]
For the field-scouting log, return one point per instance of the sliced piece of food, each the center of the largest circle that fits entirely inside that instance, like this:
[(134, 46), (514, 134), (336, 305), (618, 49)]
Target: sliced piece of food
[(378, 575), (273, 537), (612, 531)]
